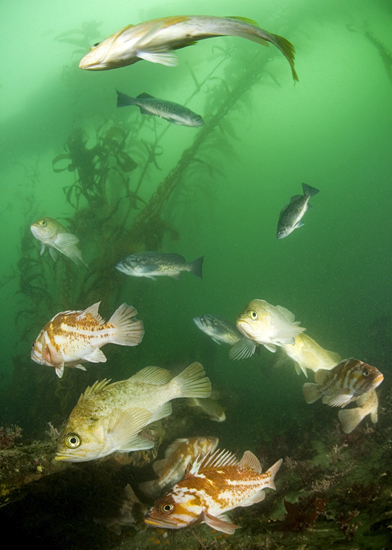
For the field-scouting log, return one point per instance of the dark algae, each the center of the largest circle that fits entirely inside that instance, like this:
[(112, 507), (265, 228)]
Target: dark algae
[(196, 178)]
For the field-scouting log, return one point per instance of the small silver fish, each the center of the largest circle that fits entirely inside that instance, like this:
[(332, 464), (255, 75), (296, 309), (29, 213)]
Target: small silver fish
[(53, 235), (170, 111), (157, 264), (343, 384), (156, 40), (291, 215), (218, 328), (366, 404)]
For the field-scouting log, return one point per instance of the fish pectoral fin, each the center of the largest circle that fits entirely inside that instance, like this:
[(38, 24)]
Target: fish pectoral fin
[(66, 239), (270, 347), (242, 349), (97, 356), (42, 250), (338, 400), (221, 523), (53, 253), (169, 59), (124, 432), (138, 443), (299, 224)]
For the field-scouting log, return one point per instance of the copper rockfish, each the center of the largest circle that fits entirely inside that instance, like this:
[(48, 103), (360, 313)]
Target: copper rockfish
[(214, 485), (72, 337)]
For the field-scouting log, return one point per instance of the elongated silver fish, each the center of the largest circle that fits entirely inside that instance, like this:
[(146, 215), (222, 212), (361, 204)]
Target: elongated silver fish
[(53, 235), (170, 111), (108, 417), (291, 215), (157, 39), (158, 264), (218, 328)]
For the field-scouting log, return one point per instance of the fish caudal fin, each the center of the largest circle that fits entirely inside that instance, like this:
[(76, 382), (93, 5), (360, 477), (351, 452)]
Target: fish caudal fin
[(128, 330), (272, 472), (123, 100), (350, 419), (309, 190), (311, 392), (192, 382), (196, 267)]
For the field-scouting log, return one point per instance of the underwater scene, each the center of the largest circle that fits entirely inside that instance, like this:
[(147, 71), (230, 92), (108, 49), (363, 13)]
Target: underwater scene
[(195, 277)]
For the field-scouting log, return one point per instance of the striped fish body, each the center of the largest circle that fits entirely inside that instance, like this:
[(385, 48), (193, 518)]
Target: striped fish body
[(178, 456), (215, 485), (343, 384), (72, 337), (155, 40)]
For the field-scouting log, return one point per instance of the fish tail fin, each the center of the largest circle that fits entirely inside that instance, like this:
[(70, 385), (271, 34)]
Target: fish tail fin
[(311, 392), (272, 472), (123, 99), (128, 330), (196, 267), (192, 382), (350, 419), (287, 50), (309, 190)]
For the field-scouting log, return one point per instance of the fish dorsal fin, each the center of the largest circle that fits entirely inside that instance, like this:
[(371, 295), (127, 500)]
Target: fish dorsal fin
[(93, 311), (97, 387), (145, 95), (152, 375), (218, 459), (290, 317), (250, 462), (243, 20), (295, 198), (320, 376)]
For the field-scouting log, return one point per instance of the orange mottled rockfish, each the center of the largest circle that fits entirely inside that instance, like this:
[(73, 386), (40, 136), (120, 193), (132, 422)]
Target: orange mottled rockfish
[(343, 384), (214, 485), (178, 456), (73, 337)]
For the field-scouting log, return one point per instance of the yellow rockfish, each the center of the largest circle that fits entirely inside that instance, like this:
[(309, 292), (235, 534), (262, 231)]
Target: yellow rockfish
[(366, 404), (264, 324), (54, 236), (213, 486), (343, 384), (73, 337), (155, 40), (308, 354), (178, 456), (108, 417)]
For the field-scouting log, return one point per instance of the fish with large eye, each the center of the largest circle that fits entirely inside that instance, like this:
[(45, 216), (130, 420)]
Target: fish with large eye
[(72, 441)]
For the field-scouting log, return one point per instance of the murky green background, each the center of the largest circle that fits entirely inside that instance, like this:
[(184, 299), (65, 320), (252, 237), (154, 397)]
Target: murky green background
[(331, 130)]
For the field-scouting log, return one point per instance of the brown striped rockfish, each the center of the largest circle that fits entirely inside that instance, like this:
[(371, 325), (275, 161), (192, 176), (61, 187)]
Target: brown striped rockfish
[(73, 337), (213, 486)]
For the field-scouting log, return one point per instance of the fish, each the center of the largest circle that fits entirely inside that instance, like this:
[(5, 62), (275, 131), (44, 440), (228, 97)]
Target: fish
[(157, 264), (347, 381), (214, 485), (74, 337), (178, 456), (156, 40), (366, 404), (53, 235), (309, 355), (109, 416), (210, 407), (266, 325), (170, 111), (219, 329), (291, 215)]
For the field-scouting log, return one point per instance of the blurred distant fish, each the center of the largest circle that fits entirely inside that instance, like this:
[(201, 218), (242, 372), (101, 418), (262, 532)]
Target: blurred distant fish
[(343, 384), (158, 264), (308, 354), (178, 456), (218, 328), (156, 40), (210, 407), (73, 337), (266, 325), (172, 112), (291, 215), (53, 235), (366, 404)]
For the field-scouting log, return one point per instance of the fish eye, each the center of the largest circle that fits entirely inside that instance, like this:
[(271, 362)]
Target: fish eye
[(43, 223), (95, 45), (72, 441), (253, 314), (366, 372), (167, 508)]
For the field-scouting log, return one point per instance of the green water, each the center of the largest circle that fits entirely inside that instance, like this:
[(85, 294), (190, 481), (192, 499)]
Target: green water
[(331, 130)]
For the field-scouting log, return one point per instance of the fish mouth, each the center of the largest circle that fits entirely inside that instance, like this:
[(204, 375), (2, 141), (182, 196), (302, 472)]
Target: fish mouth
[(159, 523), (378, 380), (243, 326)]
